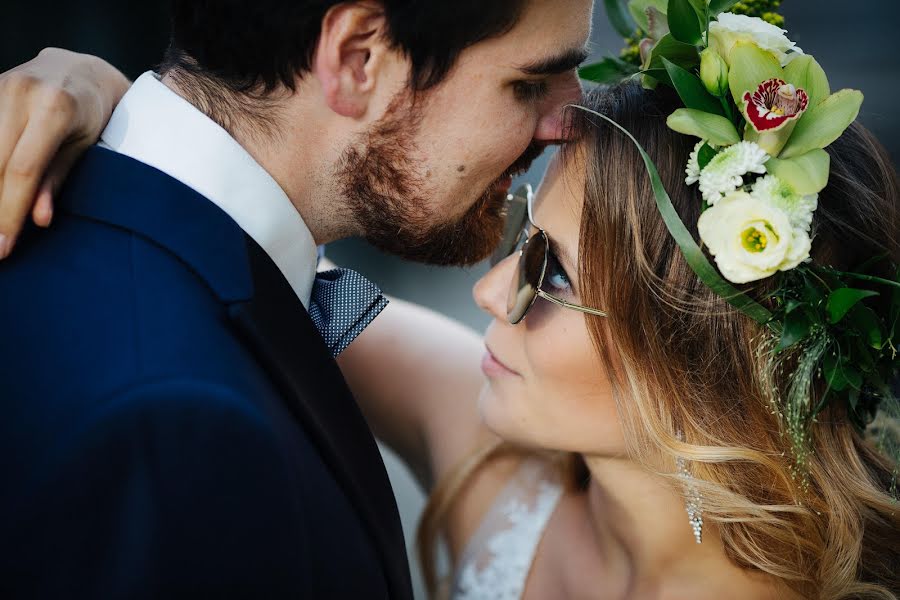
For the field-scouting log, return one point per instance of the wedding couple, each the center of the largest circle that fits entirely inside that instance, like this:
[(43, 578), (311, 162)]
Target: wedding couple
[(176, 425)]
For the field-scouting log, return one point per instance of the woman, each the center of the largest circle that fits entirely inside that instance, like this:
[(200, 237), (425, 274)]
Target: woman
[(590, 450)]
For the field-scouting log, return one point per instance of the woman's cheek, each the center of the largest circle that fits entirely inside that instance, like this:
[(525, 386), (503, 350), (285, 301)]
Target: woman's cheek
[(561, 358), (570, 392)]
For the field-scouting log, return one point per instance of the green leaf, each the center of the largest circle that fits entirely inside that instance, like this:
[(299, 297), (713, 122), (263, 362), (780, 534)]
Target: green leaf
[(792, 305), (684, 23), (615, 12), (894, 319), (706, 154), (830, 364), (657, 76), (804, 72), (820, 126), (720, 6), (796, 327), (700, 7), (812, 289), (691, 90), (717, 130), (840, 302), (854, 378), (807, 174), (862, 352), (868, 325), (750, 65), (608, 70), (689, 248), (638, 10), (839, 374), (683, 55)]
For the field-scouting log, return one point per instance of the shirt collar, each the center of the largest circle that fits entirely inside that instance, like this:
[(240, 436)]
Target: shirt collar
[(156, 126)]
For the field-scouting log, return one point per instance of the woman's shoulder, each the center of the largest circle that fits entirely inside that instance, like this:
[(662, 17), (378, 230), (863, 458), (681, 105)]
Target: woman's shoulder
[(716, 577)]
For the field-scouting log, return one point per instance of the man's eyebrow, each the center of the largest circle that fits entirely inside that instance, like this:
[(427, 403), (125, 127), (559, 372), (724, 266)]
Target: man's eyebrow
[(554, 65)]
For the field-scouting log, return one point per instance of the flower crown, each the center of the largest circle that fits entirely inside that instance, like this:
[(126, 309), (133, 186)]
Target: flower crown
[(764, 112)]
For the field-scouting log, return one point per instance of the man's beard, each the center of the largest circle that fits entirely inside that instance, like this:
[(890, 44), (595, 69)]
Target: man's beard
[(385, 196)]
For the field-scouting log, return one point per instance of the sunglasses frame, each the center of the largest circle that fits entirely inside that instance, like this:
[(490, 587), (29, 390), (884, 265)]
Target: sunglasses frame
[(525, 193)]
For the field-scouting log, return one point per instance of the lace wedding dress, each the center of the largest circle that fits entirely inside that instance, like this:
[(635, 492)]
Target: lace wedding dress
[(497, 560)]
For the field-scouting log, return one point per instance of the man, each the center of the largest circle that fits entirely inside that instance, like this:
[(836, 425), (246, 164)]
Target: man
[(189, 433)]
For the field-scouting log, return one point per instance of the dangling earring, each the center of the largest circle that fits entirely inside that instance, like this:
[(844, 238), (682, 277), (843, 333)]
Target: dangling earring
[(692, 498)]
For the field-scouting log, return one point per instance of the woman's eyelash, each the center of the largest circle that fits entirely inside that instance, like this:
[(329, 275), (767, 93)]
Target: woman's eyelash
[(556, 277), (530, 91)]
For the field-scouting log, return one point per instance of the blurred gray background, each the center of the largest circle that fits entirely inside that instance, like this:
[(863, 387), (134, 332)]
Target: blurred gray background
[(854, 42)]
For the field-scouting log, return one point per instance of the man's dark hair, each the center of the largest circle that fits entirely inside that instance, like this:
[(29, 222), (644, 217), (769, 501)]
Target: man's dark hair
[(255, 45)]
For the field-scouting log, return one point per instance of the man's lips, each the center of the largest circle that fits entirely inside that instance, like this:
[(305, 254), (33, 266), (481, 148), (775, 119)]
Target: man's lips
[(493, 367), (523, 163)]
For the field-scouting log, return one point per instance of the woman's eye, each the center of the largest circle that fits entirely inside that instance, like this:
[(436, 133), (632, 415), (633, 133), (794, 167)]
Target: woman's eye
[(556, 277), (530, 91)]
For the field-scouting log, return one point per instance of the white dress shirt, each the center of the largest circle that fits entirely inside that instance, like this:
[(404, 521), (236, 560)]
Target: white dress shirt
[(156, 126)]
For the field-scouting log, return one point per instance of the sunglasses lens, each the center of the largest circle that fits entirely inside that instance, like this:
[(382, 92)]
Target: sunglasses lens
[(516, 217), (527, 278)]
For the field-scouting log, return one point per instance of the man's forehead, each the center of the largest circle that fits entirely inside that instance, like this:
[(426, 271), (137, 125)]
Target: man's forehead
[(548, 31)]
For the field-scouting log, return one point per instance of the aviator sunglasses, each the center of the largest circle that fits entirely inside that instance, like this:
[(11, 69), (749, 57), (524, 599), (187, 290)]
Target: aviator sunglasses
[(534, 255)]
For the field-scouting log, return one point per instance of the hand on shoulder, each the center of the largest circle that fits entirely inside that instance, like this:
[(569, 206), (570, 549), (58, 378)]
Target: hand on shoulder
[(52, 109)]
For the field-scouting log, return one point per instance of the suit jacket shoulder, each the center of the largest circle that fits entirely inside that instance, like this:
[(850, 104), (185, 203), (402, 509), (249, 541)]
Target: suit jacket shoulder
[(148, 446)]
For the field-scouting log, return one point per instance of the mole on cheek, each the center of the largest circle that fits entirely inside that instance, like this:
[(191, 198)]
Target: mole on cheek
[(461, 168)]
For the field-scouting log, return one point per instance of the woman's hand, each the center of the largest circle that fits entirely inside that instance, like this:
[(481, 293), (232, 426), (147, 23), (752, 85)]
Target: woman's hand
[(52, 109)]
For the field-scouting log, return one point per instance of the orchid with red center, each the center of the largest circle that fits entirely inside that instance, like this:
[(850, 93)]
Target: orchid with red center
[(774, 104), (772, 111)]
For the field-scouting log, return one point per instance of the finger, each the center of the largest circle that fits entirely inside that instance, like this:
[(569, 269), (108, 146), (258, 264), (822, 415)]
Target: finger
[(57, 172), (29, 160), (12, 124), (42, 214), (14, 94)]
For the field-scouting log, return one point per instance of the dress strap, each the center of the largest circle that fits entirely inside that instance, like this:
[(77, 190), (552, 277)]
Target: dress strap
[(497, 560)]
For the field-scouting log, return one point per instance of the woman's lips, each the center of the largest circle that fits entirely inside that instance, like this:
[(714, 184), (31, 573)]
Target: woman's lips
[(492, 367)]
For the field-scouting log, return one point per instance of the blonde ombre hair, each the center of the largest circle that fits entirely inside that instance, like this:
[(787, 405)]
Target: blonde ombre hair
[(689, 372)]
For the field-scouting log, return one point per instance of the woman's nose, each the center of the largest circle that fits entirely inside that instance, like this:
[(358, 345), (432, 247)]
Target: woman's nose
[(492, 290)]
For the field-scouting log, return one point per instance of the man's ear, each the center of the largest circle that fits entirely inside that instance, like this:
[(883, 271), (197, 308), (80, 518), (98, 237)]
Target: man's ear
[(350, 55)]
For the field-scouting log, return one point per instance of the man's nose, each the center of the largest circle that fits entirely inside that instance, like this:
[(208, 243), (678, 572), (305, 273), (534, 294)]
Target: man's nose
[(552, 126)]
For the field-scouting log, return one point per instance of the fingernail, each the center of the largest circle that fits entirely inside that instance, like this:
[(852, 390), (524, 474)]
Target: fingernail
[(4, 246), (46, 217)]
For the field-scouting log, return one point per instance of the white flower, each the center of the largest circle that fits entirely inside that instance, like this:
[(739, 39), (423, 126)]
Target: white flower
[(693, 167), (729, 29), (799, 208), (725, 172), (751, 239)]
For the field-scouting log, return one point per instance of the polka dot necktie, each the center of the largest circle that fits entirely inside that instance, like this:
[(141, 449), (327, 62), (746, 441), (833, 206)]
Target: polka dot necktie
[(343, 303)]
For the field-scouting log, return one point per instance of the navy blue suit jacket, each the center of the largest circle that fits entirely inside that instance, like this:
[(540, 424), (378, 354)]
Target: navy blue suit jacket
[(172, 423)]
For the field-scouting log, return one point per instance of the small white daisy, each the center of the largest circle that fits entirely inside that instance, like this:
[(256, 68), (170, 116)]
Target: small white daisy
[(693, 167), (725, 172), (799, 208)]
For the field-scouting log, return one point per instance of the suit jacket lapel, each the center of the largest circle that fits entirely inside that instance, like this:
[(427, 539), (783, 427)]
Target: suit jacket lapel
[(267, 314), (281, 334)]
